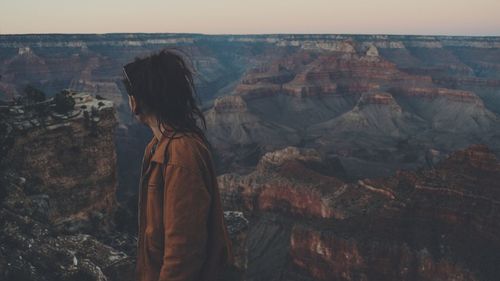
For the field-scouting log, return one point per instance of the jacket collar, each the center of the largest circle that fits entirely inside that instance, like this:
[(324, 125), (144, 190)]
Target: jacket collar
[(162, 146)]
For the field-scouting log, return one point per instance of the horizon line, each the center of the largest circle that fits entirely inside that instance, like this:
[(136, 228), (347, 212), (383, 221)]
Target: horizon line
[(249, 34)]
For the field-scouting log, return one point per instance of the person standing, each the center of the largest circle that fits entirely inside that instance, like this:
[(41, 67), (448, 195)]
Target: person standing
[(182, 234)]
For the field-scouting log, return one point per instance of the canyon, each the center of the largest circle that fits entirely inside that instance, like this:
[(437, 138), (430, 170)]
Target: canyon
[(339, 157)]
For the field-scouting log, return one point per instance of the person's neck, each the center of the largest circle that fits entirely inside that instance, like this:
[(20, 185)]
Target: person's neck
[(153, 125)]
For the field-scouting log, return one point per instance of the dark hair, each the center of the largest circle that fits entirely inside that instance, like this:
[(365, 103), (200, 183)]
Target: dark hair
[(162, 84)]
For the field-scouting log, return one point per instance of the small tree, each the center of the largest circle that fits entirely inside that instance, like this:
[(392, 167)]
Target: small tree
[(18, 100), (41, 112), (86, 119), (64, 102), (94, 112), (94, 119), (33, 95)]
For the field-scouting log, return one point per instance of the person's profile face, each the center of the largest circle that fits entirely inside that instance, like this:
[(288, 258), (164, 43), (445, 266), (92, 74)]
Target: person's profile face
[(133, 107)]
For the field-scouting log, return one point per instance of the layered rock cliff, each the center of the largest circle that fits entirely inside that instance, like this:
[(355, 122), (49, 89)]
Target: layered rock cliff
[(58, 194), (348, 102), (240, 136), (416, 225)]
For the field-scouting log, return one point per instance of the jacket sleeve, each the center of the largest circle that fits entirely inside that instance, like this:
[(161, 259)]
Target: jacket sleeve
[(186, 202)]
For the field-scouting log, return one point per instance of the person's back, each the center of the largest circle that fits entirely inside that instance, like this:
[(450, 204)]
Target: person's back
[(199, 244), (182, 234)]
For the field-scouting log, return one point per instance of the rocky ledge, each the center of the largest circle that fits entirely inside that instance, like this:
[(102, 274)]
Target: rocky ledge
[(417, 225)]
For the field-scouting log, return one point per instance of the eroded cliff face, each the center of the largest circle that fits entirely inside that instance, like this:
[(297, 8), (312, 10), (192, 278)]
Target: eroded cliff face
[(431, 224), (417, 225), (74, 169), (346, 102), (58, 194)]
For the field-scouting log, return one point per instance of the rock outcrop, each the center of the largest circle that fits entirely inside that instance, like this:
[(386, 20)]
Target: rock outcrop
[(289, 181), (57, 199), (417, 225), (31, 248), (70, 159)]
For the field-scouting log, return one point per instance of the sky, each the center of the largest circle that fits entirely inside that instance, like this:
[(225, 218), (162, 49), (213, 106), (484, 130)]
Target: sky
[(422, 17)]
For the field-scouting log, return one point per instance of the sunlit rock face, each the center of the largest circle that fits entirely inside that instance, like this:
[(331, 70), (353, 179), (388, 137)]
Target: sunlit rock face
[(420, 230), (431, 223)]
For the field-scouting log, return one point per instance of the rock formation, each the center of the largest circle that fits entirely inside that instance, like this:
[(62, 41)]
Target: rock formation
[(32, 248), (58, 182), (417, 225), (70, 162), (343, 101)]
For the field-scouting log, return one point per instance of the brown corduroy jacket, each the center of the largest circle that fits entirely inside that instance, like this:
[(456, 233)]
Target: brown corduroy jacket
[(182, 233)]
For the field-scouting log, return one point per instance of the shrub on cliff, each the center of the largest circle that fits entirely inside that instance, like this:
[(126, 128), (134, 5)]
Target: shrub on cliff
[(63, 103), (33, 95)]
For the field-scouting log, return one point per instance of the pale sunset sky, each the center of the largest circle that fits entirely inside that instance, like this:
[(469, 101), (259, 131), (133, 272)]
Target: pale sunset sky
[(424, 17)]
